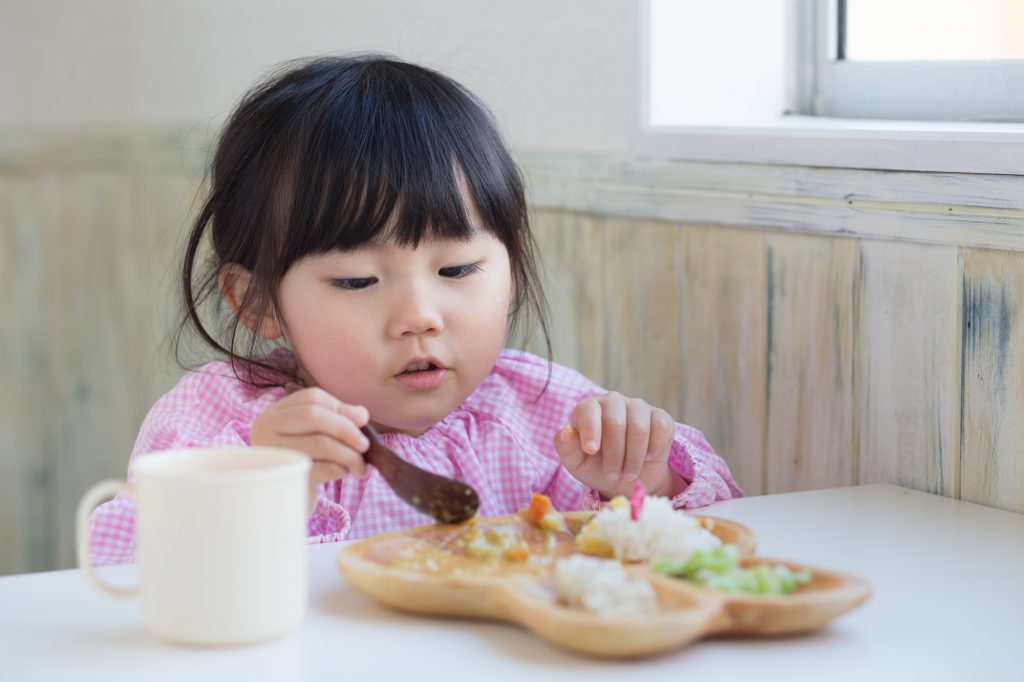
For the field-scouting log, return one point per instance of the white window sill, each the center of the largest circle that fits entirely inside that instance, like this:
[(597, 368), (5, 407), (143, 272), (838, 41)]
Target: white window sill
[(996, 148)]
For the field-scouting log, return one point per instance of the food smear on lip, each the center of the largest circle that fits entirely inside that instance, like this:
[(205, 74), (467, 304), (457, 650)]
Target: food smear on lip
[(601, 586), (660, 532), (719, 569)]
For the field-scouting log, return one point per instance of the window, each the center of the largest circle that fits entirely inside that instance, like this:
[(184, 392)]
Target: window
[(721, 63), (916, 85), (952, 60), (751, 62)]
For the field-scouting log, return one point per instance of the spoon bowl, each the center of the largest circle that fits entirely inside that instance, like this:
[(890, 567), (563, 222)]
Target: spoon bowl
[(445, 499)]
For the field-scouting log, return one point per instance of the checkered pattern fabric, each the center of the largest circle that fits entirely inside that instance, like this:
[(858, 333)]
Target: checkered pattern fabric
[(499, 440)]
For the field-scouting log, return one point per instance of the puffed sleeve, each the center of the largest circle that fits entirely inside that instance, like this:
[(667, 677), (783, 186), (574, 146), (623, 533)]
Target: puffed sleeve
[(545, 396), (209, 407)]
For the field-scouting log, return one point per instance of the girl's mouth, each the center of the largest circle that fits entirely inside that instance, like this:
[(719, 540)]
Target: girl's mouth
[(422, 375), (420, 366)]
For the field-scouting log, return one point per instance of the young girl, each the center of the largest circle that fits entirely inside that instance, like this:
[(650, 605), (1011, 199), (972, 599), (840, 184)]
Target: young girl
[(369, 235)]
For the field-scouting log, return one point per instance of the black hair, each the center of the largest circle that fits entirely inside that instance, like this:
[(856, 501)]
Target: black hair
[(336, 152)]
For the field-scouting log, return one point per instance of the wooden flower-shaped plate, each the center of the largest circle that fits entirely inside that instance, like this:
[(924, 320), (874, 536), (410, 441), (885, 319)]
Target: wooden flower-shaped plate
[(423, 570)]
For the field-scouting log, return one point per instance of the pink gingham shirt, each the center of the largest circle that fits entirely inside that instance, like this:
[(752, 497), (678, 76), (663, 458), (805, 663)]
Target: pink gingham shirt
[(499, 440)]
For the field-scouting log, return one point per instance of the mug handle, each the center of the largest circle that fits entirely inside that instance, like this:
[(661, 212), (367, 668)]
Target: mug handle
[(96, 494)]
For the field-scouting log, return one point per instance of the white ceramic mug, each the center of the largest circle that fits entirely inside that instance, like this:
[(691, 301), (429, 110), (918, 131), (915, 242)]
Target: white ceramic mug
[(221, 542)]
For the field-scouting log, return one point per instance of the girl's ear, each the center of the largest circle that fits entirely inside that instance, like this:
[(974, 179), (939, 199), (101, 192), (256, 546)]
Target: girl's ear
[(234, 281)]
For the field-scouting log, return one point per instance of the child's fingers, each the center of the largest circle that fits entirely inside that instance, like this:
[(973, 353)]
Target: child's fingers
[(638, 433), (325, 450), (613, 435), (309, 418), (324, 471), (567, 445), (317, 396), (663, 432), (357, 413), (296, 395), (587, 420)]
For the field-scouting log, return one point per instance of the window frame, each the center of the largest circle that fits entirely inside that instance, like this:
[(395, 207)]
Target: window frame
[(901, 90), (798, 139)]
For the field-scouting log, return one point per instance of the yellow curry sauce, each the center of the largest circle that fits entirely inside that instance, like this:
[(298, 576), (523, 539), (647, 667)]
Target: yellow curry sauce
[(483, 548), (529, 542)]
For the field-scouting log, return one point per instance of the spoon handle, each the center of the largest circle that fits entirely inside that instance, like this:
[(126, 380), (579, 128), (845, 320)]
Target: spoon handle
[(380, 456)]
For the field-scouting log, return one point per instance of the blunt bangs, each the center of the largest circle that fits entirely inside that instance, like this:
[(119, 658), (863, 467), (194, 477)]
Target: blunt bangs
[(383, 152)]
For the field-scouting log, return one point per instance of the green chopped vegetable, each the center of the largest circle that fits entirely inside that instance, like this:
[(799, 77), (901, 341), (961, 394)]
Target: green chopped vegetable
[(719, 569), (717, 560)]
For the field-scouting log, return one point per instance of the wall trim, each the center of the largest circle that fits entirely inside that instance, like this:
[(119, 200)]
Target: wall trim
[(961, 209), (170, 148)]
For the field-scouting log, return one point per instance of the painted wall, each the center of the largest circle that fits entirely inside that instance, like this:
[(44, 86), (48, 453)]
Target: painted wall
[(558, 74)]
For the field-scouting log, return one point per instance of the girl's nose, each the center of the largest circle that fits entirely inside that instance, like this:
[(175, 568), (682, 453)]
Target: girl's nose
[(415, 312)]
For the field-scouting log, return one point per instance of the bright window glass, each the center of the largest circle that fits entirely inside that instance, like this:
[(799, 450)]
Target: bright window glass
[(716, 63), (934, 30)]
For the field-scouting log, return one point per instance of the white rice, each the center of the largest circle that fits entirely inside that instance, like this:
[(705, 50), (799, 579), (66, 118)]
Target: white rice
[(602, 586), (661, 531)]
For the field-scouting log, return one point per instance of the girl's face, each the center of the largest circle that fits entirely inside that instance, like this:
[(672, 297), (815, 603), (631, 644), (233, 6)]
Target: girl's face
[(407, 332)]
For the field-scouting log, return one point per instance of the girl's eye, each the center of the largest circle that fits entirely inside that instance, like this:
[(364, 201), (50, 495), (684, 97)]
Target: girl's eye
[(459, 271), (354, 283)]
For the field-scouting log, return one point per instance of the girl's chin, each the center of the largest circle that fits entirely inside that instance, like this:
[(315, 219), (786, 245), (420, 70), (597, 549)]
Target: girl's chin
[(410, 427)]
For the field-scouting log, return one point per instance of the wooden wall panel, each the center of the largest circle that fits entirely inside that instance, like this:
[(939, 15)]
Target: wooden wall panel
[(641, 311), (166, 203), (723, 345), (908, 366), (27, 418), (89, 259), (992, 455), (588, 296), (812, 291), (102, 328), (555, 234), (572, 262)]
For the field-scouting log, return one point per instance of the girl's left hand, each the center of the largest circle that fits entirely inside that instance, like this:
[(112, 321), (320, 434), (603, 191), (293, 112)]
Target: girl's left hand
[(612, 441)]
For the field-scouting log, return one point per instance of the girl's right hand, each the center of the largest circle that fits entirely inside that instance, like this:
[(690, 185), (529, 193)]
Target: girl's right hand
[(313, 421)]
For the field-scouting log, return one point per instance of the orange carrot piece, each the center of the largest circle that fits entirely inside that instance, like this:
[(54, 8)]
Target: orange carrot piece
[(517, 553), (540, 505)]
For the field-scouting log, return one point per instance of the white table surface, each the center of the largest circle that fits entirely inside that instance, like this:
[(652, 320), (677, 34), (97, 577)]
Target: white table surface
[(947, 603)]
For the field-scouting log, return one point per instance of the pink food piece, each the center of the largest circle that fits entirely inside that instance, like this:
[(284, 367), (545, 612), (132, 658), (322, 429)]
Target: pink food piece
[(636, 500)]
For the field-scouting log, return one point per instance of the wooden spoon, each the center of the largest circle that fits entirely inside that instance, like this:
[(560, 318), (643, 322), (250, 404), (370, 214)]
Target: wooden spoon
[(445, 499)]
